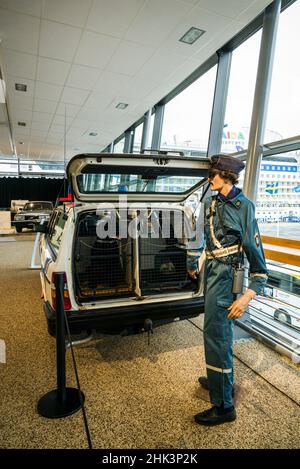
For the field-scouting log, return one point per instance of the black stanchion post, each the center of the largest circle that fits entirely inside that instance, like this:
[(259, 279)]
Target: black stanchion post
[(62, 401), (60, 338)]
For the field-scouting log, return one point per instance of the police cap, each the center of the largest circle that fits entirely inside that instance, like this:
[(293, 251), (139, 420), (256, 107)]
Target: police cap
[(227, 163)]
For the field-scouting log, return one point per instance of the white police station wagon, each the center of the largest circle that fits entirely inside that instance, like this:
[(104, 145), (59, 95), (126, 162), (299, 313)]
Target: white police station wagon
[(123, 242)]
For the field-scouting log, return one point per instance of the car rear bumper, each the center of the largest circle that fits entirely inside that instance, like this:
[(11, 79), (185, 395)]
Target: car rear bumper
[(128, 318)]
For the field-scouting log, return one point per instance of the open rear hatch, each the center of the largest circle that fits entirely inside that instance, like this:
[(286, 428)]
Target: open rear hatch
[(103, 177), (119, 264)]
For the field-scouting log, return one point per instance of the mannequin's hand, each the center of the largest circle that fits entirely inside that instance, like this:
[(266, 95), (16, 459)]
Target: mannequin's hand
[(192, 274), (239, 306)]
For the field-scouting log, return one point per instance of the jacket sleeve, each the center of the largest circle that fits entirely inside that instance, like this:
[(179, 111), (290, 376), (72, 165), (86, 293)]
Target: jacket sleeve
[(252, 246), (196, 245)]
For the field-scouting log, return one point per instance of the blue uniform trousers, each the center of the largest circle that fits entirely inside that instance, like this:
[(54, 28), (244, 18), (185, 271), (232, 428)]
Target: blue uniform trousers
[(218, 331)]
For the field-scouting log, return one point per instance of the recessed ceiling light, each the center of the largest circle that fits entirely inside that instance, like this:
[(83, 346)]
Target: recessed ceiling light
[(20, 87), (22, 124), (121, 106), (21, 143), (192, 35), (93, 134)]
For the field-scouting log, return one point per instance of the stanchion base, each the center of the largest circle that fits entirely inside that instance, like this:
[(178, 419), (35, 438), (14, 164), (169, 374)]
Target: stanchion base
[(51, 405)]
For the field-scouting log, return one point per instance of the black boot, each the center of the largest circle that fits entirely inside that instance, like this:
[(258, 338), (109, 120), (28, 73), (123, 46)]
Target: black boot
[(215, 416), (203, 381)]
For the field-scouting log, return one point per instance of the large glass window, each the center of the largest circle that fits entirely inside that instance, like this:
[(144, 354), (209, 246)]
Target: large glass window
[(187, 117), (138, 138), (278, 198), (119, 147), (284, 105), (240, 95)]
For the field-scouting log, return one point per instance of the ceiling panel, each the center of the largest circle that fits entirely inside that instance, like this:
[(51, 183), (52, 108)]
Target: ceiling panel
[(21, 102), (60, 120), (97, 100), (42, 116), (52, 71), (38, 135), (70, 110), (30, 7), (154, 21), (129, 57), (19, 63), (111, 83), (52, 92), (104, 19), (211, 23), (57, 128), (96, 49), (218, 40), (253, 10), (54, 138), (164, 61), (44, 105), (21, 114), (20, 131), (139, 86), (230, 8), (43, 126), (19, 32), (74, 96), (83, 77), (72, 12), (58, 41)]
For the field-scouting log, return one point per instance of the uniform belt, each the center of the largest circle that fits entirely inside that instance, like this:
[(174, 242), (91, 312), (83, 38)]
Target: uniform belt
[(222, 252)]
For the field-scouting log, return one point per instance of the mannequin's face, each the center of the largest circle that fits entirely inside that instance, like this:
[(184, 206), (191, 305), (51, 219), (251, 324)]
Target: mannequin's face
[(217, 183)]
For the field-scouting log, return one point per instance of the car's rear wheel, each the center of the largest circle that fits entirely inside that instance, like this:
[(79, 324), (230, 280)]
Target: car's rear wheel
[(282, 316)]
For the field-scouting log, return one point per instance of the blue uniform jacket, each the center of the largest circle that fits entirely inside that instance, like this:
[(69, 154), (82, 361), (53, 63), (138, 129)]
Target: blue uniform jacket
[(238, 216)]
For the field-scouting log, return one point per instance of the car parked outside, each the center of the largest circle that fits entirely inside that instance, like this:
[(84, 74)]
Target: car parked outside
[(276, 313)]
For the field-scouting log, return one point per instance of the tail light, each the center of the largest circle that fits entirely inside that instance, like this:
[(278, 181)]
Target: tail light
[(67, 302)]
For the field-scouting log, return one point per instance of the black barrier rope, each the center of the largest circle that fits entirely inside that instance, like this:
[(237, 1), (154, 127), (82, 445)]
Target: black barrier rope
[(86, 426)]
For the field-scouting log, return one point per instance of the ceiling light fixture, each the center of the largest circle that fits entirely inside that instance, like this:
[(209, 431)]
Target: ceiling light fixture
[(22, 124), (192, 35), (21, 143), (121, 106), (20, 87), (93, 134)]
